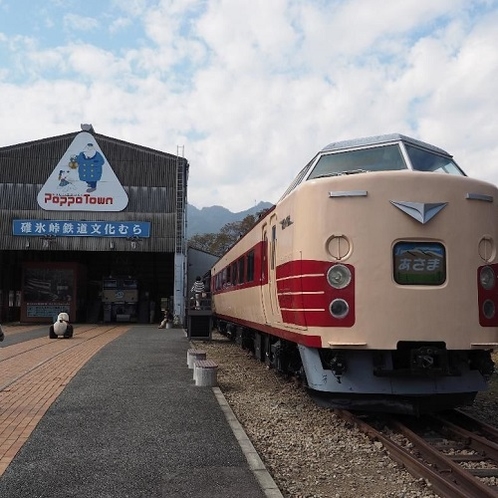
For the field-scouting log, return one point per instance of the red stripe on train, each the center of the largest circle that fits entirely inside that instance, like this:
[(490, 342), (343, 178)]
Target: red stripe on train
[(304, 295), (312, 341)]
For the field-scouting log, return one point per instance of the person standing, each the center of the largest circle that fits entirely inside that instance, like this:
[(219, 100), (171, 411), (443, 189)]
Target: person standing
[(197, 290)]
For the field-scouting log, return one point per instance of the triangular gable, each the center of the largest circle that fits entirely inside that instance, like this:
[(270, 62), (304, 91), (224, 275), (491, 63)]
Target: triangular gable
[(83, 180)]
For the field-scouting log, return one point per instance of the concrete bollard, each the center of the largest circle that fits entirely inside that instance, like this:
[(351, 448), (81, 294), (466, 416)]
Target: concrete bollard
[(195, 354), (205, 373)]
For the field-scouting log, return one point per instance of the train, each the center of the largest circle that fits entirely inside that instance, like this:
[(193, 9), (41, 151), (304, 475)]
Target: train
[(373, 279), (120, 298)]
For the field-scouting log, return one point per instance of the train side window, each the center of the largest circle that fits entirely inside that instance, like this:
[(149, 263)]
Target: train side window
[(298, 179), (229, 275), (234, 274), (110, 284), (250, 266), (241, 271)]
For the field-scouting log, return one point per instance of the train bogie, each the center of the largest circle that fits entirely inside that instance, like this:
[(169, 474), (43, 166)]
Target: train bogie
[(378, 267)]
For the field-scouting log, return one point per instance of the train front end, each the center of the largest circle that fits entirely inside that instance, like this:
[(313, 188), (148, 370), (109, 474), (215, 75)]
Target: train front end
[(386, 271)]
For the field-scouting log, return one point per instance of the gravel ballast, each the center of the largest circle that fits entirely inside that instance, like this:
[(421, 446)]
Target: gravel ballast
[(308, 450)]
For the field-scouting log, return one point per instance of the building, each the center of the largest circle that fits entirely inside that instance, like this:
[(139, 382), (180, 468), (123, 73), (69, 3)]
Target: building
[(94, 226)]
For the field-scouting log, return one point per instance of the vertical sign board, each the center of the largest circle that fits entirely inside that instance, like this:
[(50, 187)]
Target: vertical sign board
[(47, 290)]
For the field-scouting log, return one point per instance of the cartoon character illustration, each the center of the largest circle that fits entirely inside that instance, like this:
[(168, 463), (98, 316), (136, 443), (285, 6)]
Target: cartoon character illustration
[(90, 162), (73, 162), (63, 178), (65, 181)]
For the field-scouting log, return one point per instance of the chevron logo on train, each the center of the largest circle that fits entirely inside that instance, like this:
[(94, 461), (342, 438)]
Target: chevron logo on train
[(83, 180)]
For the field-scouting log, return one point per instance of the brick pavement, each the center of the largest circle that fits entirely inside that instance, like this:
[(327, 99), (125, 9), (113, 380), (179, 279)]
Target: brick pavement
[(34, 373)]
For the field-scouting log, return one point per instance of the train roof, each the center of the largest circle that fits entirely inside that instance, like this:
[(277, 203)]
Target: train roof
[(380, 140)]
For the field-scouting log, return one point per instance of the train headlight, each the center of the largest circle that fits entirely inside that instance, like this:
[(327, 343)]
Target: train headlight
[(487, 277), (339, 308), (488, 309), (339, 276)]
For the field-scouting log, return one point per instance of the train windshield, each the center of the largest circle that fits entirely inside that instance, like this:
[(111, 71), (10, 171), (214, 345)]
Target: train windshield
[(384, 158), (388, 157), (424, 160)]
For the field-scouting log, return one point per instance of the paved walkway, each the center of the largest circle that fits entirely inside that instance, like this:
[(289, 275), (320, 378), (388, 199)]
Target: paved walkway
[(120, 416)]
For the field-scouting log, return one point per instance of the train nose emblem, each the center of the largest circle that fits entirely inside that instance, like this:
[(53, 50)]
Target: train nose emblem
[(420, 211)]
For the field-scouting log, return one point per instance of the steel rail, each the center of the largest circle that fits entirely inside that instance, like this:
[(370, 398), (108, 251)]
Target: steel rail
[(446, 466), (474, 441), (463, 418), (450, 480)]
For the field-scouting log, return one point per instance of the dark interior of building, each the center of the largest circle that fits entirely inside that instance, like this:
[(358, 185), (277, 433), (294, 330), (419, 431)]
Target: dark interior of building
[(152, 272)]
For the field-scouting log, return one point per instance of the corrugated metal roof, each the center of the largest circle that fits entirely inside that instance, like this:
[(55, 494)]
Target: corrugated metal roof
[(134, 165)]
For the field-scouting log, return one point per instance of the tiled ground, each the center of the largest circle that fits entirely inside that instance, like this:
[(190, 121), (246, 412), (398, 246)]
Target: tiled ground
[(34, 372)]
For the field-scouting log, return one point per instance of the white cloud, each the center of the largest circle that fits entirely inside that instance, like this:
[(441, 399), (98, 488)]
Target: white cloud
[(132, 8), (253, 89), (75, 23), (119, 24)]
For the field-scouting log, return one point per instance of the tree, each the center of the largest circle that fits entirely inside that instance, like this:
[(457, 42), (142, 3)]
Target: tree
[(219, 243)]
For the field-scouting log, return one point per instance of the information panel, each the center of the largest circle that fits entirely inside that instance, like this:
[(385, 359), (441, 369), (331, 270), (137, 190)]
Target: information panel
[(67, 228)]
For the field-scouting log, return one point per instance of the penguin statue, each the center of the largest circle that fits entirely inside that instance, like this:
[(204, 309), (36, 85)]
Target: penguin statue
[(61, 328)]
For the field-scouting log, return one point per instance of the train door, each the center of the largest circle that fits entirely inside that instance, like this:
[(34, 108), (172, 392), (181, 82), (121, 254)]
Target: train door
[(265, 296), (269, 266)]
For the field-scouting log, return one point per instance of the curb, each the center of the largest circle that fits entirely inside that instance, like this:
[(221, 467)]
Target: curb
[(255, 463)]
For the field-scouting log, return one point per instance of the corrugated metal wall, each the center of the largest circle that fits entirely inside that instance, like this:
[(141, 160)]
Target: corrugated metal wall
[(149, 177), (156, 185)]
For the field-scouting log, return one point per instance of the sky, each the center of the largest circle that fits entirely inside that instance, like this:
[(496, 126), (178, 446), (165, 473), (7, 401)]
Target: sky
[(249, 91)]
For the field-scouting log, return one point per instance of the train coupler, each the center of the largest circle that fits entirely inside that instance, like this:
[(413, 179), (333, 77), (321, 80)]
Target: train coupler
[(429, 360)]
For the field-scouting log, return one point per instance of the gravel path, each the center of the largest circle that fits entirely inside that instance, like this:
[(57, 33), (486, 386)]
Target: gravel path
[(307, 449)]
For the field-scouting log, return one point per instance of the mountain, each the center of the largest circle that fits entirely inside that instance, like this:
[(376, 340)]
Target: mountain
[(212, 219)]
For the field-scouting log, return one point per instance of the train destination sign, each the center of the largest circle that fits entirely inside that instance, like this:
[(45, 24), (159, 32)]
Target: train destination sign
[(67, 228), (419, 263)]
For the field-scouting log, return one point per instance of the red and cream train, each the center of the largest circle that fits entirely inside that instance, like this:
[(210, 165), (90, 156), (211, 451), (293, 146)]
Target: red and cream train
[(373, 277)]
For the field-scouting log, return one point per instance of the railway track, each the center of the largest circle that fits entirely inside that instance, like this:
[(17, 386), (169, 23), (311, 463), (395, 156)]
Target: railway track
[(455, 453)]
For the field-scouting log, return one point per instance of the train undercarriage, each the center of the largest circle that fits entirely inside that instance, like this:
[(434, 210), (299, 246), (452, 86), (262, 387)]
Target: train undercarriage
[(415, 378)]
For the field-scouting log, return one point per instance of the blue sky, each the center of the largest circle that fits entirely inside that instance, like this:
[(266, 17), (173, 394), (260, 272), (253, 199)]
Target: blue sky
[(249, 91)]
